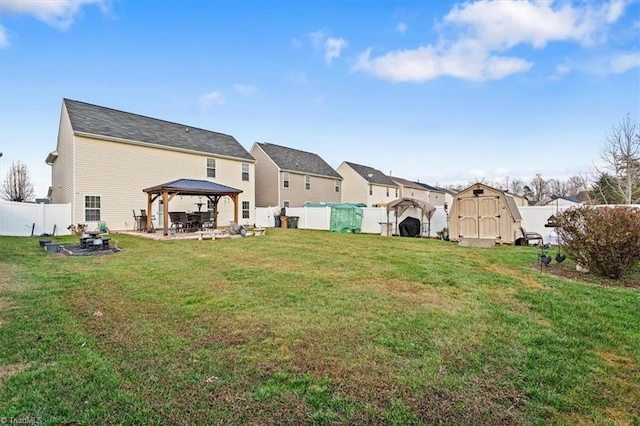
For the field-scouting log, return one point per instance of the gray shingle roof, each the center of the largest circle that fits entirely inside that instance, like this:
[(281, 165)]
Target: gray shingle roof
[(430, 188), (372, 175), (407, 183), (298, 161), (102, 121)]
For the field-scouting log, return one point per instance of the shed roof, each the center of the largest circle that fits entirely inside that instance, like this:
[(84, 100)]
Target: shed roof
[(372, 175), (400, 205), (108, 122), (295, 160)]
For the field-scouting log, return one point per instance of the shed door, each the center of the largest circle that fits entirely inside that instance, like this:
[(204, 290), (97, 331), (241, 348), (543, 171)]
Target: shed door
[(468, 217), (489, 217)]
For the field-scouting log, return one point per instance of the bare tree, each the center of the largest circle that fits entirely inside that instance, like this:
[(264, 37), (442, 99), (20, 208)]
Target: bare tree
[(621, 155), (557, 187), (17, 185), (517, 186), (576, 184), (540, 187)]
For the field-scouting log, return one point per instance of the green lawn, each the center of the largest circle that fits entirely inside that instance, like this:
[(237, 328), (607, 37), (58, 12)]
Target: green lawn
[(311, 327)]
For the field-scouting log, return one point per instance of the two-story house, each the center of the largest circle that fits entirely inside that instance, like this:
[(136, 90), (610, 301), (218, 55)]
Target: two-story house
[(364, 184), (105, 158), (288, 177)]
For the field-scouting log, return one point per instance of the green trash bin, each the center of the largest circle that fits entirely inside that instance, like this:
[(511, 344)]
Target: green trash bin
[(293, 222)]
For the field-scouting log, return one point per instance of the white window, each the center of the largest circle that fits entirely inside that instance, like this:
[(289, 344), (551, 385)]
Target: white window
[(387, 191), (396, 192), (91, 208), (211, 167), (370, 189), (307, 182), (245, 171), (285, 180), (245, 210), (336, 185), (285, 204)]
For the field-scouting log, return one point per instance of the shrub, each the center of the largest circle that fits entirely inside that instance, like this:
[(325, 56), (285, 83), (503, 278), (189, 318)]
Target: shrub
[(606, 240), (77, 230)]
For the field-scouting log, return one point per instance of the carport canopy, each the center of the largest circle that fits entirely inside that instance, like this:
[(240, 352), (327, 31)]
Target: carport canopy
[(189, 187), (400, 205)]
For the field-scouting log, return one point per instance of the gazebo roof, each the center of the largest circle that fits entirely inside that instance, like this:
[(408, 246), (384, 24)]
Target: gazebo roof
[(193, 187)]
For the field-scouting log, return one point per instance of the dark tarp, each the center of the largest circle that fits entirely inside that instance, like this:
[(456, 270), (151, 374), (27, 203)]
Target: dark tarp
[(410, 227)]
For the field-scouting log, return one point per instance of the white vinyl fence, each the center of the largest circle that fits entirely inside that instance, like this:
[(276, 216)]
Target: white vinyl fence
[(19, 219), (534, 219)]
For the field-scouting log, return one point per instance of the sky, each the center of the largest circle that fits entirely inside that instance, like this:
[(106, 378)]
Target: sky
[(441, 92)]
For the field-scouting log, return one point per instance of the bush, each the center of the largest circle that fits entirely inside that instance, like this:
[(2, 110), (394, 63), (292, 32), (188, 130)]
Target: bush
[(606, 240), (77, 230)]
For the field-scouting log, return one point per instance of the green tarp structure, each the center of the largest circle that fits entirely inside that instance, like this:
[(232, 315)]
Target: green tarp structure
[(346, 218)]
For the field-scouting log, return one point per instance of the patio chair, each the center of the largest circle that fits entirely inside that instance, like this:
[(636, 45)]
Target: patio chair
[(176, 220), (530, 236), (186, 224), (205, 220), (136, 218)]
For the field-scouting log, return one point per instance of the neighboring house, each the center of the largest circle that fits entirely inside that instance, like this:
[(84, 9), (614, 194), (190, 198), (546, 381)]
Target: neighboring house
[(563, 200), (449, 195), (435, 196), (419, 191), (288, 177), (364, 184), (104, 159)]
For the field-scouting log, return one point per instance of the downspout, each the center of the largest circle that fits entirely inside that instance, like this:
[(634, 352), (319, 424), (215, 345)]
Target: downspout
[(73, 178)]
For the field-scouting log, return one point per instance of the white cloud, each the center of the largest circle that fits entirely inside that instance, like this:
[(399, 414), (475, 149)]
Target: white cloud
[(56, 13), (402, 27), (333, 48), (244, 89), (210, 98), (623, 62), (473, 34), (561, 71), (4, 39)]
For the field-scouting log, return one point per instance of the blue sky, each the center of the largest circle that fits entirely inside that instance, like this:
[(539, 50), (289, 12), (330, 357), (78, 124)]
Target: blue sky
[(443, 92)]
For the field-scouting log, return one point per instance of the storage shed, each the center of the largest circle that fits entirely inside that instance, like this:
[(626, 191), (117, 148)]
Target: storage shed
[(483, 212)]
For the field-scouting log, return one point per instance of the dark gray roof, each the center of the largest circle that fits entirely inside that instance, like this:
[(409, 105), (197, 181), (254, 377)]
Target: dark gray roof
[(102, 121), (429, 187), (298, 161), (372, 175), (194, 187), (407, 183)]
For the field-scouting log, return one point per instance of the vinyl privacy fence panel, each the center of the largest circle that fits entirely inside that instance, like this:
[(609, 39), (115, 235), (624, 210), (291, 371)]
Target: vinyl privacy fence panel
[(18, 219)]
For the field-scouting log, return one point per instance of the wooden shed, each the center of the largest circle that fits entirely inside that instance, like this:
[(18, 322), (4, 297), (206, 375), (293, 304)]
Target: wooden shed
[(483, 212)]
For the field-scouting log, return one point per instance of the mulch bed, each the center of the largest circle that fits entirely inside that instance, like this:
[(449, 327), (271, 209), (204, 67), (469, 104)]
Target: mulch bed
[(77, 250), (568, 270)]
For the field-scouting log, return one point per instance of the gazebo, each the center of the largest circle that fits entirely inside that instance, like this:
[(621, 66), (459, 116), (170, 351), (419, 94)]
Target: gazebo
[(190, 187), (400, 205)]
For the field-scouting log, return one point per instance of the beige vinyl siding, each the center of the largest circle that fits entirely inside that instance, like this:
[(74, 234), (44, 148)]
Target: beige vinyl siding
[(62, 167), (118, 172), (355, 188), (437, 198), (266, 179), (322, 190), (379, 195)]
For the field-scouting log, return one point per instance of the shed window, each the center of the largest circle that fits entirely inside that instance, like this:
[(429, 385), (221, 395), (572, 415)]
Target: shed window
[(211, 167), (91, 208), (307, 182), (245, 171), (245, 210), (285, 180)]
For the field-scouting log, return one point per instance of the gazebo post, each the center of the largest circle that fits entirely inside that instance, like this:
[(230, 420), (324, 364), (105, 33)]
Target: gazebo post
[(234, 197), (165, 213), (149, 212)]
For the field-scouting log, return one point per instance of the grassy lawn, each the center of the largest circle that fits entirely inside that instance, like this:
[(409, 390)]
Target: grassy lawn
[(311, 327)]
